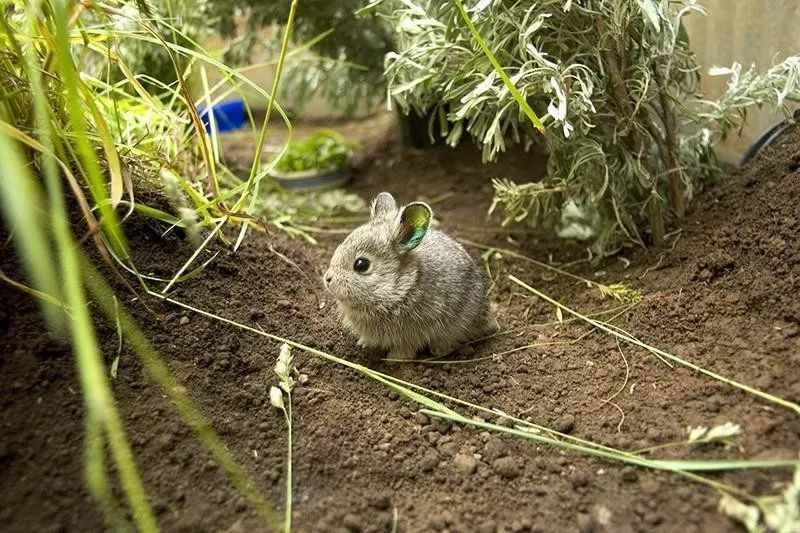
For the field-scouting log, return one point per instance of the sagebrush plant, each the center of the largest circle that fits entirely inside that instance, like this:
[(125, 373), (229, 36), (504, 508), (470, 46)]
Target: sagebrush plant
[(629, 137)]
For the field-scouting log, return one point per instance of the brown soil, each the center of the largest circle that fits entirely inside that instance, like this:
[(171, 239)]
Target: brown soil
[(723, 294)]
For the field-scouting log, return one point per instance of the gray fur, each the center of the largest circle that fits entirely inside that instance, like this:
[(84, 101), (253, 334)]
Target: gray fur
[(433, 295)]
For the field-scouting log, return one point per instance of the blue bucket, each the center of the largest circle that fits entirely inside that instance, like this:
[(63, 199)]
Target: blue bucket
[(228, 115)]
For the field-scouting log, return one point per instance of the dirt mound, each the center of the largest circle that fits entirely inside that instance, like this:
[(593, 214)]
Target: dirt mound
[(723, 294)]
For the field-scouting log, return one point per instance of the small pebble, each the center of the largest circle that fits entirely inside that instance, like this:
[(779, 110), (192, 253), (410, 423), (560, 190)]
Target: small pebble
[(447, 446), (422, 419), (507, 467), (352, 523), (629, 474), (284, 303), (494, 449), (653, 519), (653, 434), (381, 503), (565, 424), (487, 527), (184, 320), (441, 521), (465, 464), (714, 403), (430, 461), (649, 486), (580, 479), (585, 523), (520, 526)]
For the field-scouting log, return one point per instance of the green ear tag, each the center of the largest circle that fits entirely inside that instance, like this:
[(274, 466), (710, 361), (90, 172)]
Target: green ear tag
[(415, 238), (414, 222)]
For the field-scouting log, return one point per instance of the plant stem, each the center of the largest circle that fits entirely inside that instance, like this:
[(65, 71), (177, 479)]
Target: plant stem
[(672, 165), (615, 74), (287, 523), (270, 104), (656, 216)]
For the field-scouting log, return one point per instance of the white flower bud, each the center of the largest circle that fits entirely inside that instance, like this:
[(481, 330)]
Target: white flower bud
[(276, 397)]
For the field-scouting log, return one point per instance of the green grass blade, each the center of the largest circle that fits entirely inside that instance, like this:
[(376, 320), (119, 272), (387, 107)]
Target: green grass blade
[(25, 215), (251, 182), (100, 407), (75, 104), (499, 69)]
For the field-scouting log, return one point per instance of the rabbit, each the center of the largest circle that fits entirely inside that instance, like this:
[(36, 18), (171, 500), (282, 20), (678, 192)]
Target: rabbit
[(401, 286)]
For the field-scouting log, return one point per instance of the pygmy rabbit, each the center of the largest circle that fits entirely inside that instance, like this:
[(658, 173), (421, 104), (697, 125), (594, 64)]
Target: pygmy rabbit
[(402, 286)]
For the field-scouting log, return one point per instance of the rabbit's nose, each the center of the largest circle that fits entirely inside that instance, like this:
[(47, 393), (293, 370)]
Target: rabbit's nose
[(328, 277)]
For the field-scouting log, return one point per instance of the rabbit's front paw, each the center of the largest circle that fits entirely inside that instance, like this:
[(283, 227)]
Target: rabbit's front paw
[(402, 354), (442, 348), (490, 327)]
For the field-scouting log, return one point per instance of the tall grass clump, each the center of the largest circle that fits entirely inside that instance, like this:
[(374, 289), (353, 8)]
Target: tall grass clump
[(86, 127), (629, 137)]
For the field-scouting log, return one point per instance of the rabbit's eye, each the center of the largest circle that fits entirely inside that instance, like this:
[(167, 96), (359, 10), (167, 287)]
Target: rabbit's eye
[(361, 265)]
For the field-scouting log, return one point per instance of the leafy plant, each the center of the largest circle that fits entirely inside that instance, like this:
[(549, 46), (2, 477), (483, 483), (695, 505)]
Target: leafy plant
[(629, 138), (347, 65), (323, 149), (181, 23)]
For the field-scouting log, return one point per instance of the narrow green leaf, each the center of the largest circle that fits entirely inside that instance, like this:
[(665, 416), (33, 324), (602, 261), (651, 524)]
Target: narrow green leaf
[(512, 89)]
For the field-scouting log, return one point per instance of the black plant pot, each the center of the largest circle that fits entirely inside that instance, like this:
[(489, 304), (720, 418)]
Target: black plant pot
[(769, 137)]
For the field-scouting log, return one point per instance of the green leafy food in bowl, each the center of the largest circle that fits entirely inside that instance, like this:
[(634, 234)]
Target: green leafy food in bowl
[(323, 149)]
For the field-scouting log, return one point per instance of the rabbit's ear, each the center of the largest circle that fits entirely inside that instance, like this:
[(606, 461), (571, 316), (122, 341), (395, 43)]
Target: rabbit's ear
[(414, 221), (383, 207)]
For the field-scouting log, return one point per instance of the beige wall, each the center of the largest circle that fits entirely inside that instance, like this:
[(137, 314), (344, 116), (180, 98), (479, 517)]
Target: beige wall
[(763, 32)]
